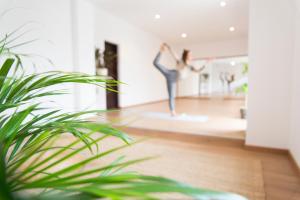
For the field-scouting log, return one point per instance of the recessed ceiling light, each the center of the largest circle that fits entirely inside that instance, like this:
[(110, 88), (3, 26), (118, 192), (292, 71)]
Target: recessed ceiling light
[(232, 29), (223, 3), (183, 35), (157, 16), (233, 63)]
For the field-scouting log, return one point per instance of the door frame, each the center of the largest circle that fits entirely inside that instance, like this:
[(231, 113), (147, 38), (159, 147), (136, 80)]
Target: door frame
[(118, 71)]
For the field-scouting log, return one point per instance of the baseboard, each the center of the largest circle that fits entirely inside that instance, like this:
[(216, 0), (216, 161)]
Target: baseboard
[(144, 104), (209, 97), (195, 97), (149, 103), (293, 160), (182, 137), (266, 149), (180, 97)]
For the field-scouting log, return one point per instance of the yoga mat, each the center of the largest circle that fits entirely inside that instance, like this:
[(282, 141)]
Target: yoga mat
[(180, 117)]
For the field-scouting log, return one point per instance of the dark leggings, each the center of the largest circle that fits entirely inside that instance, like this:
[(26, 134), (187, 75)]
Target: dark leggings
[(171, 77)]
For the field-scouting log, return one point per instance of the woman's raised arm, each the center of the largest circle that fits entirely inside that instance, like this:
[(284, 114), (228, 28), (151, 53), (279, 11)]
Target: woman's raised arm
[(174, 55)]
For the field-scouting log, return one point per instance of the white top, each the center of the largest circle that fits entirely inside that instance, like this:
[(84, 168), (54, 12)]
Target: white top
[(183, 70)]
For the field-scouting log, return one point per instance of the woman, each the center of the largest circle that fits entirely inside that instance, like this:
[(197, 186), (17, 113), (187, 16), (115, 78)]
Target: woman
[(183, 67)]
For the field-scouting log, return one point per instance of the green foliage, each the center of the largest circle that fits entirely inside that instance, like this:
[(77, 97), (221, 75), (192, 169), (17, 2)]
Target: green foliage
[(244, 87), (245, 68), (33, 164)]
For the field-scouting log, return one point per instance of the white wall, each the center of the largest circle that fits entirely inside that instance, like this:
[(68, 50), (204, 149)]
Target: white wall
[(214, 49), (65, 30), (50, 24), (270, 56), (295, 108), (83, 53), (137, 50), (52, 31)]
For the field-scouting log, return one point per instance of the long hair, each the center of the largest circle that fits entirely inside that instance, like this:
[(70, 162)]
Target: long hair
[(185, 54)]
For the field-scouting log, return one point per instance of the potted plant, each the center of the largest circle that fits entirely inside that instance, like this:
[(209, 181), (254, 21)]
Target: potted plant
[(101, 70)]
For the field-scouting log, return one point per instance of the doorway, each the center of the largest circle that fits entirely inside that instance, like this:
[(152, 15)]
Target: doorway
[(111, 62)]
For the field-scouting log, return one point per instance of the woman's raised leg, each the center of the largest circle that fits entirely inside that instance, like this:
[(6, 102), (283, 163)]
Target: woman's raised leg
[(159, 66)]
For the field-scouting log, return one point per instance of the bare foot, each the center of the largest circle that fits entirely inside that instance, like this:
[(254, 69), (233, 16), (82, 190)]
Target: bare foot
[(162, 47), (173, 113)]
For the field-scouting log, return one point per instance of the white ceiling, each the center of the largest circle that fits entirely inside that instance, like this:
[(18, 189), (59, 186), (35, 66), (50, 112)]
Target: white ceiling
[(202, 20)]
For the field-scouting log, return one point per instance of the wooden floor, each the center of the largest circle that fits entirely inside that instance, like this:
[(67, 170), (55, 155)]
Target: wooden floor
[(223, 117), (281, 178)]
